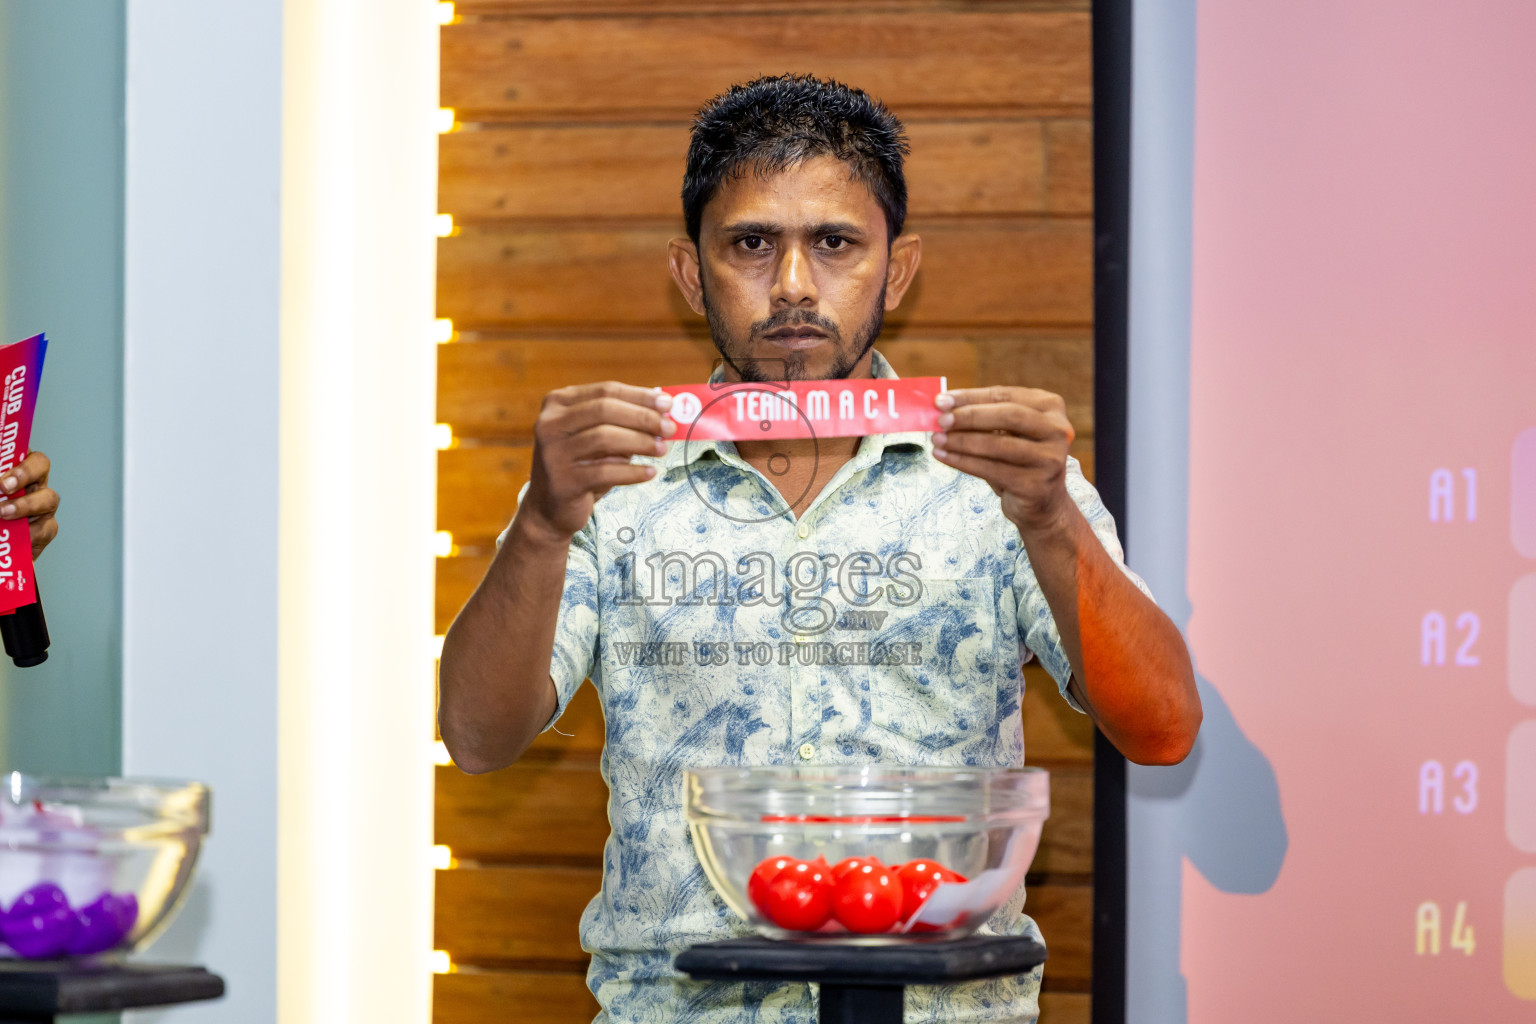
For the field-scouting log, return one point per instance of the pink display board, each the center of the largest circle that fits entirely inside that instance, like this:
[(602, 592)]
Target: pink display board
[(1362, 524)]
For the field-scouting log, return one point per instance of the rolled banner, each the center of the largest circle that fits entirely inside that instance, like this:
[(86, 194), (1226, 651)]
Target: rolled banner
[(21, 364), (782, 410)]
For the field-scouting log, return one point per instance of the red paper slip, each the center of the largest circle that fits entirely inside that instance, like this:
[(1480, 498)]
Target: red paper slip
[(20, 365), (804, 408)]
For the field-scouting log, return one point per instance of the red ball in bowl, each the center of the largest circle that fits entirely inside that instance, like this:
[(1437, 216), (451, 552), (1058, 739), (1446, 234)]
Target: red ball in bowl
[(868, 899), (848, 864), (767, 871), (799, 898), (918, 880)]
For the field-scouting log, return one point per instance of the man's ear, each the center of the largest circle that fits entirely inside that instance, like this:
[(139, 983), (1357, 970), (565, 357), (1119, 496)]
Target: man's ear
[(906, 254), (683, 261)]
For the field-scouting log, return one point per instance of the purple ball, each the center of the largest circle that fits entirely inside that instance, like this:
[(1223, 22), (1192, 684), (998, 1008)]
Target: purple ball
[(104, 923), (41, 898), (40, 923)]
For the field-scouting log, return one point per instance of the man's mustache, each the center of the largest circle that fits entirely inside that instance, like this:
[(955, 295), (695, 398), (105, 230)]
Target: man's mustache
[(795, 318)]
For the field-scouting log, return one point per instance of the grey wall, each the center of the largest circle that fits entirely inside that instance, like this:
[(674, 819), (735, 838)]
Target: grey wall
[(150, 255), (61, 262), (204, 107), (1220, 809), (1157, 484)]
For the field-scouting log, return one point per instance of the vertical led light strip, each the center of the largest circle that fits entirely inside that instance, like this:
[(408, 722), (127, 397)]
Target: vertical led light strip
[(357, 508)]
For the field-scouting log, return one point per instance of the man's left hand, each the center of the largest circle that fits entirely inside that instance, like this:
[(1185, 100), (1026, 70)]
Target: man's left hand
[(1016, 439), (24, 493)]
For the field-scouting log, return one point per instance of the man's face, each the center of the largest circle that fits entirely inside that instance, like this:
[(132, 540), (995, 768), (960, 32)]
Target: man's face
[(794, 272)]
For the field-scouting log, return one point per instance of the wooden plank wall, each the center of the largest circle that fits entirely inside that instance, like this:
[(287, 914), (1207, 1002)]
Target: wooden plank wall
[(563, 178)]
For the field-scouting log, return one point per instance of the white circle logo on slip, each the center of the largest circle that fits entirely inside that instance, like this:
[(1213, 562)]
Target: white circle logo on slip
[(778, 462), (686, 407)]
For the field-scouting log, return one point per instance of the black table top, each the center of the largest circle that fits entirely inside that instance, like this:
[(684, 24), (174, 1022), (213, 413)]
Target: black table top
[(847, 963), (40, 991)]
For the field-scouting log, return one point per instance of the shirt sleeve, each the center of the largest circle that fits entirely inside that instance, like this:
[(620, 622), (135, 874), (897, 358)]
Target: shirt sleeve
[(575, 650), (1036, 624)]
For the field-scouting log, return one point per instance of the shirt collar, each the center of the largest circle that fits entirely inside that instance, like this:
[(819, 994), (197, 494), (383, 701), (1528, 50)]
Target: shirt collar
[(871, 448)]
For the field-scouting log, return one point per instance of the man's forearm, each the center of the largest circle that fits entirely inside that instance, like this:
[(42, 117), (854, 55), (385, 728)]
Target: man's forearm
[(1132, 668), (495, 692)]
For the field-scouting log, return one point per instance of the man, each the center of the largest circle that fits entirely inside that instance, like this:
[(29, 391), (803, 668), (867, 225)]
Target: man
[(983, 544)]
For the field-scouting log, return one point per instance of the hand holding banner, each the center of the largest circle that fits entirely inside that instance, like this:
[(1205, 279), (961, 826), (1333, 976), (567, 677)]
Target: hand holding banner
[(21, 365)]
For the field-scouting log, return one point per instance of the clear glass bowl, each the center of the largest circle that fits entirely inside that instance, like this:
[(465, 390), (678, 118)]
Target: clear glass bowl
[(982, 824), (94, 868)]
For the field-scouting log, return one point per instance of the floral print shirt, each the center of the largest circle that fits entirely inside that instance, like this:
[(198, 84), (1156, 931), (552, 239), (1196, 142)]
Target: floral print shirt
[(720, 630)]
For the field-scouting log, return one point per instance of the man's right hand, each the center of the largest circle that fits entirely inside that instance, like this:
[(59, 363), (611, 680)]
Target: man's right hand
[(583, 441), (494, 682)]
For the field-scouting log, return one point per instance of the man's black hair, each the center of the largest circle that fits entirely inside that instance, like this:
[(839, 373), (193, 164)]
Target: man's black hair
[(776, 122)]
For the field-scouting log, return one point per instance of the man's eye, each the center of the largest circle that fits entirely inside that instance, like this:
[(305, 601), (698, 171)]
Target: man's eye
[(835, 242), (753, 243)]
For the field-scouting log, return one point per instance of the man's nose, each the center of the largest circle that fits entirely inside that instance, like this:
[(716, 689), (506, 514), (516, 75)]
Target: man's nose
[(794, 284)]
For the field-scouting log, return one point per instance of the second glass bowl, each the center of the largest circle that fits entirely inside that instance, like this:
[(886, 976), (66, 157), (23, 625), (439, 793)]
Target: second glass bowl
[(93, 868)]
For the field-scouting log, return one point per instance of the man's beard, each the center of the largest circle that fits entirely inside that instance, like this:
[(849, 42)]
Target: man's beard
[(792, 366)]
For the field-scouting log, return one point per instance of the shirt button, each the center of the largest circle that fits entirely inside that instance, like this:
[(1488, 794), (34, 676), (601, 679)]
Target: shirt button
[(802, 639), (803, 530), (807, 751)]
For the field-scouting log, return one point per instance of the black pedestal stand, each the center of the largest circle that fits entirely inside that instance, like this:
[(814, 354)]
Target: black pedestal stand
[(861, 984), (38, 993)]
